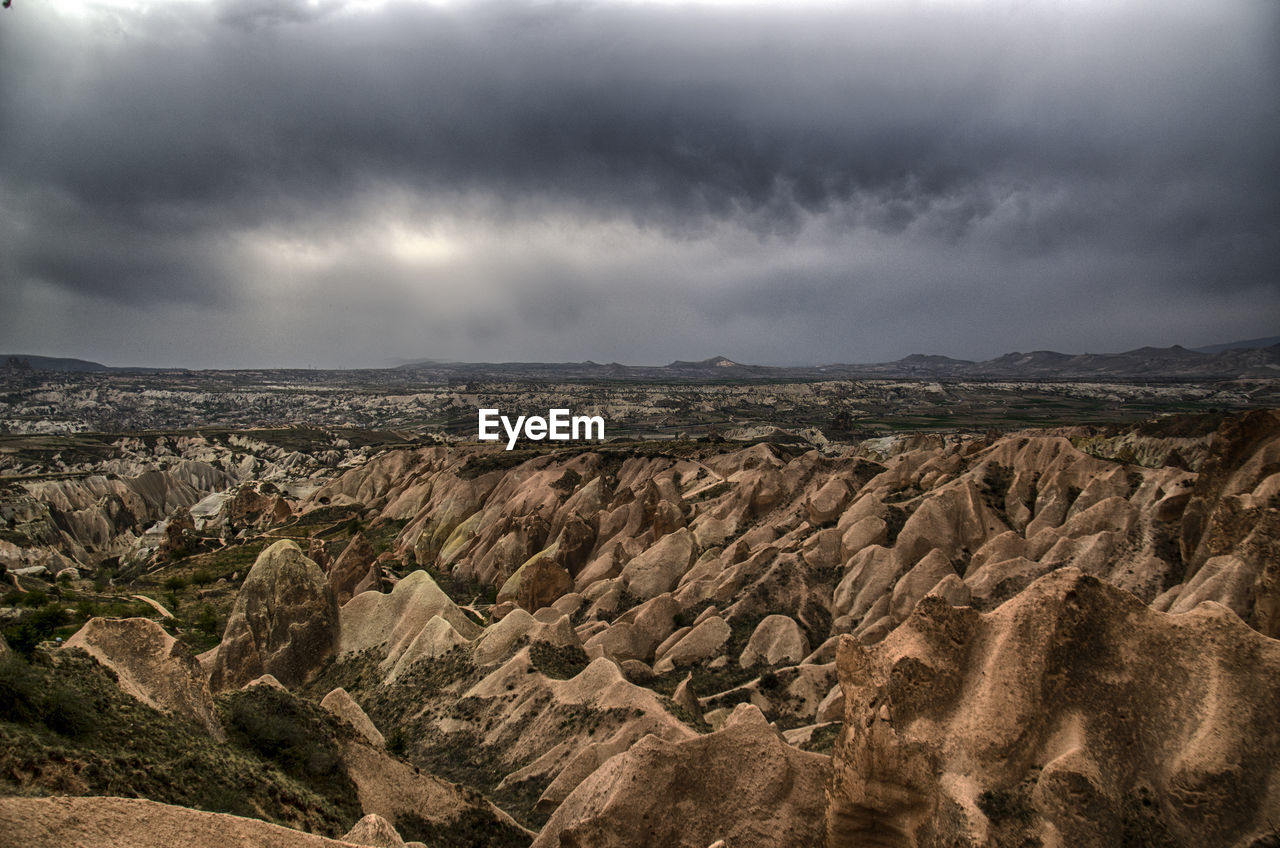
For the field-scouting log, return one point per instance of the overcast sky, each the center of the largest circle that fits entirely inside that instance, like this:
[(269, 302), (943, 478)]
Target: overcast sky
[(257, 183)]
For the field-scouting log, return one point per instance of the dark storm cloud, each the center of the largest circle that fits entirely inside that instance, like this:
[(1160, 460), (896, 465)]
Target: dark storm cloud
[(137, 148)]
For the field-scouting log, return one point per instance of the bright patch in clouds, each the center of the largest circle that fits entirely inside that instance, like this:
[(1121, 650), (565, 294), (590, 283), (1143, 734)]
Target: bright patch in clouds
[(340, 183)]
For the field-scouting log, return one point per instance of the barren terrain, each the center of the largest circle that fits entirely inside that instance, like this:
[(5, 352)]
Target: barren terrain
[(875, 630)]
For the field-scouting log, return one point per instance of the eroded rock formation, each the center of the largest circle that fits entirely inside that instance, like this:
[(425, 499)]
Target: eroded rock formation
[(1073, 714), (284, 622)]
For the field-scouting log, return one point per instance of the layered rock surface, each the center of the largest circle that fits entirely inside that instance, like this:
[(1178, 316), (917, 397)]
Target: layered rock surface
[(1072, 714)]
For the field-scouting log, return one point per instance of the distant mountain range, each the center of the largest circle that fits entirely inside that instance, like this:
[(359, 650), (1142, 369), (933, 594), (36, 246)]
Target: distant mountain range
[(1244, 360), (1253, 359), (1251, 344)]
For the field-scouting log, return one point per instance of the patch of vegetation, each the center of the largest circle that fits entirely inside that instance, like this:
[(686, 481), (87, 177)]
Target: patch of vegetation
[(1166, 544), (383, 535), (472, 829), (391, 705), (705, 680), (895, 519), (696, 722), (712, 492), (481, 463), (298, 736), (462, 591), (995, 487), (237, 559), (823, 739), (626, 601), (1006, 805), (357, 673), (34, 626), (322, 520), (730, 698), (28, 697), (568, 481), (66, 727), (461, 757), (561, 662)]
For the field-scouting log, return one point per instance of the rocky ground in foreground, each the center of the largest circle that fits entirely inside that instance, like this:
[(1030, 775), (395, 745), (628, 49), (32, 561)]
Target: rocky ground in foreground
[(1047, 637)]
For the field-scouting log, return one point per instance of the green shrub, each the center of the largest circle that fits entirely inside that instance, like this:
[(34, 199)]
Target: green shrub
[(285, 730), (35, 598), (561, 662), (33, 628), (26, 697), (19, 690), (207, 620)]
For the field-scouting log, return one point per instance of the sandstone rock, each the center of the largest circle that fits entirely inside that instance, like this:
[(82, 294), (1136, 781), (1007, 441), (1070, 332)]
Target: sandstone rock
[(659, 568), (1266, 591), (953, 590), (871, 530), (247, 506), (686, 697), (152, 666), (681, 632), (832, 706), (498, 640), (394, 790), (872, 573), (955, 517), (1226, 579), (434, 640), (344, 707), (392, 622), (777, 639), (264, 680), (1059, 716), (375, 831), (537, 583), (826, 504), (136, 823), (995, 582), (1241, 456), (579, 767), (702, 642), (931, 570), (351, 567), (284, 622), (695, 792), (618, 642)]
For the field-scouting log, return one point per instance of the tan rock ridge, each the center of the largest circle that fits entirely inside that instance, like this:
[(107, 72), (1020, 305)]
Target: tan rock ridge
[(138, 823), (152, 666), (743, 784), (1073, 714)]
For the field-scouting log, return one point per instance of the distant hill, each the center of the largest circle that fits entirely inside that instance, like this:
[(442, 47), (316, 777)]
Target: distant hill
[(1250, 344), (27, 361), (1253, 359), (49, 363)]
